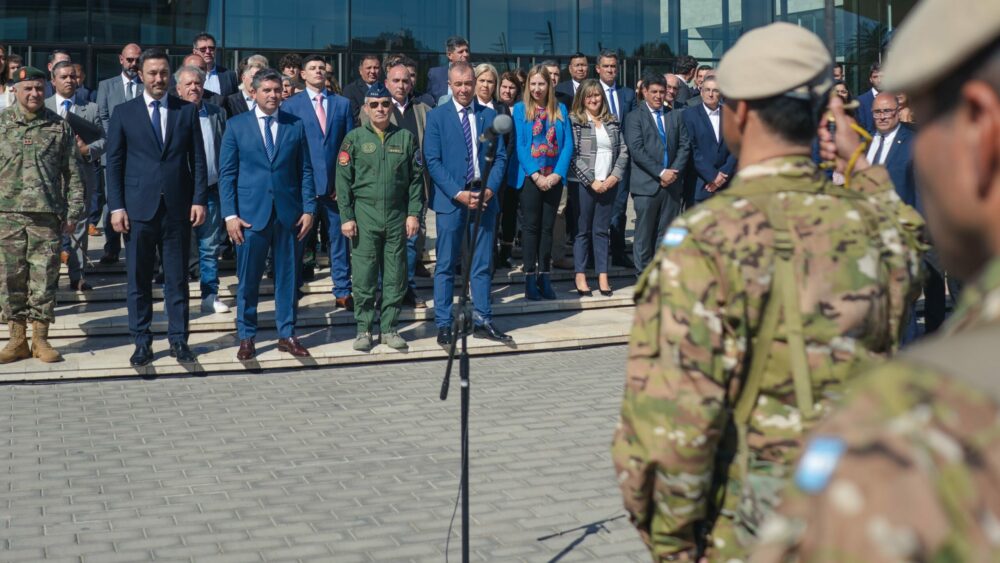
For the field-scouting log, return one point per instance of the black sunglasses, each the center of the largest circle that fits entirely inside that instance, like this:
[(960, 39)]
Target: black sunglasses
[(383, 103)]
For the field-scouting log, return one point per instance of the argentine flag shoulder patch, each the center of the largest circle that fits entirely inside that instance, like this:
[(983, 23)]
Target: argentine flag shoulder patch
[(818, 463), (674, 237)]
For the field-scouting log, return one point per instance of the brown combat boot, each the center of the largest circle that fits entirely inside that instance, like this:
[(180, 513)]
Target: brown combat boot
[(40, 347), (17, 346)]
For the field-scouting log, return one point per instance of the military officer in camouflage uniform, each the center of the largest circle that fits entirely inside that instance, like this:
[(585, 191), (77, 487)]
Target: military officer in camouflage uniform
[(41, 198), (909, 469), (379, 189), (757, 309)]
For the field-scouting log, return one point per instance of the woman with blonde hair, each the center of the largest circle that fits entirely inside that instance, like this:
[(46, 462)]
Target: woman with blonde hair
[(485, 89), (544, 150), (600, 159)]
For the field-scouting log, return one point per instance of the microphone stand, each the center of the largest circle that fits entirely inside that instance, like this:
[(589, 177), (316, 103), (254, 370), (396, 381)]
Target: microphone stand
[(462, 325)]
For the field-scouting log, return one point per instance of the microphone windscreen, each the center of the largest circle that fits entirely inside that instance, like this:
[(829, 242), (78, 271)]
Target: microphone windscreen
[(503, 124)]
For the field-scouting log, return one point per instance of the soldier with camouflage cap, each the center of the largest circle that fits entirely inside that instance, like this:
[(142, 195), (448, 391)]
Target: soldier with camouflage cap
[(41, 197), (757, 309), (909, 468)]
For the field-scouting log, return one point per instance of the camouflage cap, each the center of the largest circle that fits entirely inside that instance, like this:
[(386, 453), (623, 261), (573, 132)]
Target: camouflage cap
[(936, 38), (28, 73), (780, 58)]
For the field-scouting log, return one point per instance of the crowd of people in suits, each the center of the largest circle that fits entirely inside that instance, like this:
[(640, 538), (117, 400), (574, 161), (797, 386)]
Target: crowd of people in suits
[(202, 161)]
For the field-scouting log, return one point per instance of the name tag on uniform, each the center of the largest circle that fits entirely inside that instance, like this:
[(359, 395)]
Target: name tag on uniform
[(392, 149)]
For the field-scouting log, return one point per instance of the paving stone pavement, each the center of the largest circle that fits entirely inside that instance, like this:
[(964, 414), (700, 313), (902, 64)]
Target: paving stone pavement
[(344, 464)]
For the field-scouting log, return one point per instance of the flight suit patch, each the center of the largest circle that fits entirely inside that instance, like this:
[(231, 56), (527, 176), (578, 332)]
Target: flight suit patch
[(368, 148), (396, 150), (344, 158)]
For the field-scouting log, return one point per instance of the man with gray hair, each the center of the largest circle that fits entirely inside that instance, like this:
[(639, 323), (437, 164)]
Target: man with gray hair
[(190, 82), (242, 100), (209, 95)]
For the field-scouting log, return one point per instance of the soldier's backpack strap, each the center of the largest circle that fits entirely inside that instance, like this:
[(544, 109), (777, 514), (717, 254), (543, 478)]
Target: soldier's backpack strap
[(783, 297), (961, 357)]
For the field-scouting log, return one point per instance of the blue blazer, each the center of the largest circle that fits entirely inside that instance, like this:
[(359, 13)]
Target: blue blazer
[(250, 185), (323, 149), (437, 82), (138, 171), (527, 164), (864, 114), (899, 163), (709, 156), (447, 159)]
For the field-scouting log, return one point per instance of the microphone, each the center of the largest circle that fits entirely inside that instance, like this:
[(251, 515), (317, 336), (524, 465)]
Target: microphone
[(502, 124)]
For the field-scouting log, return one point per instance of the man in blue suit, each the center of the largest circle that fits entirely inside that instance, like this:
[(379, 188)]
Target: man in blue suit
[(892, 146), (621, 100), (457, 51), (455, 161), (268, 199), (326, 118), (713, 163), (157, 190), (865, 101)]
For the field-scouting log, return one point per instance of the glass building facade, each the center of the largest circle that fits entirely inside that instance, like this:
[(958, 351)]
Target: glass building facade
[(647, 33)]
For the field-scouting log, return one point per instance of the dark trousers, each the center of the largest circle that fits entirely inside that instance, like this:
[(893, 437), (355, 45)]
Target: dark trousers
[(96, 204), (538, 209), (592, 228), (653, 213), (140, 251), (510, 198), (934, 300), (619, 219)]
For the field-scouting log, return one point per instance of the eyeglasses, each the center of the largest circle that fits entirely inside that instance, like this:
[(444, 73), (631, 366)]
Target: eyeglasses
[(885, 112), (383, 103), (205, 49)]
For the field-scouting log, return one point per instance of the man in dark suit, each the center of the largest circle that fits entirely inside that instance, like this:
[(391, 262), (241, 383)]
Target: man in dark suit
[(326, 118), (566, 90), (369, 72), (212, 120), (55, 57), (207, 95), (66, 101), (456, 162), (82, 92), (713, 163), (865, 100), (157, 187), (218, 78), (242, 100), (621, 101), (457, 50), (112, 92), (266, 187), (685, 68), (659, 150)]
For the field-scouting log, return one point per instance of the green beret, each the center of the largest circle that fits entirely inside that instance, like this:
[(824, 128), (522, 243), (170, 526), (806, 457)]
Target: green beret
[(28, 73), (937, 38)]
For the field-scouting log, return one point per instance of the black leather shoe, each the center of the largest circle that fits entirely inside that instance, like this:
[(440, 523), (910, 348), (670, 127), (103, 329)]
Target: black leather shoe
[(109, 259), (444, 336), (183, 354), (489, 331), (308, 273), (143, 356)]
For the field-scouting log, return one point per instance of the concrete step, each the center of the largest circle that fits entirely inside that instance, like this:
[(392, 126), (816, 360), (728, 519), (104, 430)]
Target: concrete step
[(315, 310), (107, 356)]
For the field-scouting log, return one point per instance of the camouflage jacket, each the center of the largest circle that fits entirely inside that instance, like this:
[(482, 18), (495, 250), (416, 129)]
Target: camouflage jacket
[(38, 165), (698, 305), (914, 474)]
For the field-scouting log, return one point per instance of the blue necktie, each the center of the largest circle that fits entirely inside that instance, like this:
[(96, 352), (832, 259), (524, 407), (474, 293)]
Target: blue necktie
[(268, 138), (611, 100), (663, 136), (157, 127), (66, 105), (470, 174)]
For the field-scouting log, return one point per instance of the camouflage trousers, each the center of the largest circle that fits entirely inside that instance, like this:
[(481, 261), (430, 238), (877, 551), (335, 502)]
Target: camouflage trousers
[(748, 505), (29, 265)]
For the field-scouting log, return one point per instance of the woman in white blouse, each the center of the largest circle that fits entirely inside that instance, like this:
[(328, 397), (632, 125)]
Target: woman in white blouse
[(600, 159)]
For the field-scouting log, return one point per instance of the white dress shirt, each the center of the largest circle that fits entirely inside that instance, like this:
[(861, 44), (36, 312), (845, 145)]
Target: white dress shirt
[(488, 104), (714, 115), (475, 135), (212, 80), (576, 85), (61, 109), (125, 82), (163, 112), (612, 92), (208, 136), (401, 107), (890, 137)]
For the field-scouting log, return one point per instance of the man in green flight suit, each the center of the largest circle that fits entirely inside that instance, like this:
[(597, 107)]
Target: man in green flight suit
[(379, 186), (759, 307), (41, 198)]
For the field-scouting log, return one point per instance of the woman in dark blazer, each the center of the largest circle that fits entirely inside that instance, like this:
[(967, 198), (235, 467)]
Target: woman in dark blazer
[(600, 159), (509, 92)]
